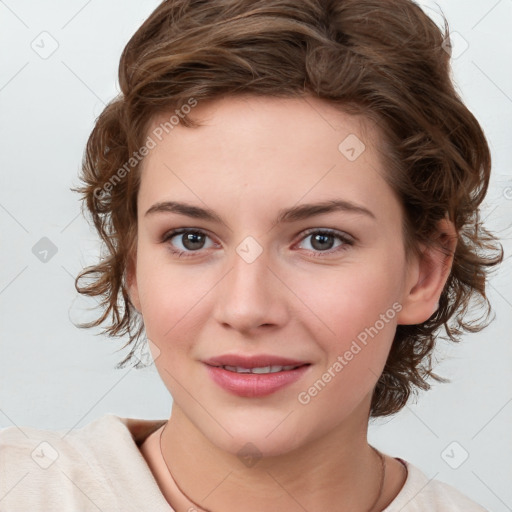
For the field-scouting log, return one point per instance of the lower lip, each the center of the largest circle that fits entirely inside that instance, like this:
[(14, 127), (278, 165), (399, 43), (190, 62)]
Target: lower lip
[(254, 384)]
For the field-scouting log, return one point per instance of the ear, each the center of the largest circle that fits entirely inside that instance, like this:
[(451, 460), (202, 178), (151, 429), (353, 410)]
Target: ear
[(131, 281), (426, 276)]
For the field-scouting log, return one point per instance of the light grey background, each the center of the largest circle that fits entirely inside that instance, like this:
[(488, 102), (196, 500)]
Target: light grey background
[(53, 375)]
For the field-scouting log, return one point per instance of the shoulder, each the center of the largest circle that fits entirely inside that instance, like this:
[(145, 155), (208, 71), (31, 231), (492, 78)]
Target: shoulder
[(423, 494), (29, 447), (73, 468)]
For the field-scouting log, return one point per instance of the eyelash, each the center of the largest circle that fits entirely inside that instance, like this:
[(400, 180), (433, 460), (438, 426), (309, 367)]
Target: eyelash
[(345, 239)]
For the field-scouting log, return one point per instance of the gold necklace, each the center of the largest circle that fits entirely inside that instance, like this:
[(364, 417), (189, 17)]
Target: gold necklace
[(200, 509)]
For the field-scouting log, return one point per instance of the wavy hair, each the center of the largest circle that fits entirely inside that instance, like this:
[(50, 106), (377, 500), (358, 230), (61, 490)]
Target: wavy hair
[(385, 60)]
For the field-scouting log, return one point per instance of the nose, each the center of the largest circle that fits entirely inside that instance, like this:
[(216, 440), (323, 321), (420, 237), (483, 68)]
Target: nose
[(251, 296)]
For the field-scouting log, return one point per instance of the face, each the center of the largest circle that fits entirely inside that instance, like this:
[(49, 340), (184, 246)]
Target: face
[(235, 267)]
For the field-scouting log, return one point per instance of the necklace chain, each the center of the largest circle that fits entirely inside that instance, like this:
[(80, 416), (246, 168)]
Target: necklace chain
[(201, 509)]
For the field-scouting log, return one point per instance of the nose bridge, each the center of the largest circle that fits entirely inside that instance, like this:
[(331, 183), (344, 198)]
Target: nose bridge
[(249, 294)]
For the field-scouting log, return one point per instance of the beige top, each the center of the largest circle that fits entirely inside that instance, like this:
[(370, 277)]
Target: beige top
[(99, 467)]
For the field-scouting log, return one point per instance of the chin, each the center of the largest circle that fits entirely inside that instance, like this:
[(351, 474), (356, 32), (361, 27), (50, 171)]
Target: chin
[(256, 437)]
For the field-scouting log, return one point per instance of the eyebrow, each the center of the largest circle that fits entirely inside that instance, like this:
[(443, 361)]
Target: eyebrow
[(292, 214)]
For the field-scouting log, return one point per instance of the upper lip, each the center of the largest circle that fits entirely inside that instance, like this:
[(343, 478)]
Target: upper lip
[(256, 361)]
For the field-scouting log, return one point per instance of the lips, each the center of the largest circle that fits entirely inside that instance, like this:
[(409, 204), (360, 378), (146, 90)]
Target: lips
[(254, 376)]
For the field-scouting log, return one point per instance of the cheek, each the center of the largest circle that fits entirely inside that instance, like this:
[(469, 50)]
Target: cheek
[(360, 311), (169, 296), (349, 300), (171, 302)]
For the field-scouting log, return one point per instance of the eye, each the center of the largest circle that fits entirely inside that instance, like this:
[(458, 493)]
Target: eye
[(324, 241), (186, 241)]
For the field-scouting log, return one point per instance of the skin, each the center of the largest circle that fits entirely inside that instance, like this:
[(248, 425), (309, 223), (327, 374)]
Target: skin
[(252, 157)]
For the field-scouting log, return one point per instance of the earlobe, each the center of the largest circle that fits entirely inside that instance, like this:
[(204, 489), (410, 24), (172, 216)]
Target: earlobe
[(427, 277)]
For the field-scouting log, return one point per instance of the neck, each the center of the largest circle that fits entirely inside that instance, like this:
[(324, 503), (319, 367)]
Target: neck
[(337, 471)]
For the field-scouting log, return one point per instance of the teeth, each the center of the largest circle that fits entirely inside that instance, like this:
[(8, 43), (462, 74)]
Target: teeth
[(259, 370), (236, 369), (265, 369)]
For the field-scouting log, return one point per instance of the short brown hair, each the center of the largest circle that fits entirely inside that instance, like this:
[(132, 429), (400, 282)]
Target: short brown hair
[(384, 60)]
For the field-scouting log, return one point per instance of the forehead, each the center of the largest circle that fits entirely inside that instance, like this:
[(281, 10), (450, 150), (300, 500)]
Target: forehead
[(306, 118), (279, 149)]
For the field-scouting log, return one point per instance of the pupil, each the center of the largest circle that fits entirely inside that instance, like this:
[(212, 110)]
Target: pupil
[(193, 240), (322, 239)]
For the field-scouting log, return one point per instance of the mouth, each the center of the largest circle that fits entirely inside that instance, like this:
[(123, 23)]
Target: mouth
[(261, 370), (266, 362), (255, 376)]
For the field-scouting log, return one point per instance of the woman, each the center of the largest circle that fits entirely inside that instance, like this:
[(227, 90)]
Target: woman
[(288, 193)]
